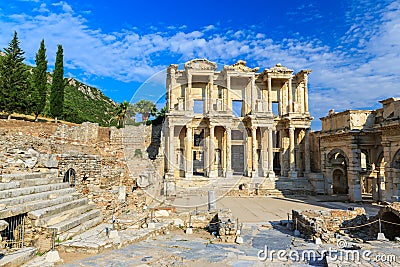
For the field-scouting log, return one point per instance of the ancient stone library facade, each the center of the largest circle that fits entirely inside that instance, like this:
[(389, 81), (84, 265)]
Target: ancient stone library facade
[(237, 120)]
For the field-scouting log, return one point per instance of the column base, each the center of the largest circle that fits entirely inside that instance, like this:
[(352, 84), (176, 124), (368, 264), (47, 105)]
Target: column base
[(169, 185), (355, 193), (189, 175), (271, 175), (228, 174), (254, 174), (292, 174), (213, 174)]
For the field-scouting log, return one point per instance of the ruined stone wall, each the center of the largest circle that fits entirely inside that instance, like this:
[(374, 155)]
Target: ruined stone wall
[(325, 224)]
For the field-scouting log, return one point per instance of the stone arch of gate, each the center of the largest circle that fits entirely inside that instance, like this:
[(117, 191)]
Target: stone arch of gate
[(334, 153), (336, 172), (390, 216), (396, 160)]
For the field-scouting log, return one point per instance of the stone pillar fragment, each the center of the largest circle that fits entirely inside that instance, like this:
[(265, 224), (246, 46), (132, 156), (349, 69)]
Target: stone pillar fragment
[(228, 171), (307, 152), (271, 173), (292, 172), (189, 153), (254, 150)]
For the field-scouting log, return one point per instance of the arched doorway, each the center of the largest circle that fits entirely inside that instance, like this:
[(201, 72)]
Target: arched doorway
[(339, 181), (336, 172), (70, 177)]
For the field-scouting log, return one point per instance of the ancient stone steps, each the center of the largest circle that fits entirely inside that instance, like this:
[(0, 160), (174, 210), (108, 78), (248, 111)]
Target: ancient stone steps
[(38, 196), (18, 258), (48, 221), (5, 178), (81, 228), (58, 208), (75, 221), (48, 202), (25, 207), (39, 181), (10, 193), (9, 185)]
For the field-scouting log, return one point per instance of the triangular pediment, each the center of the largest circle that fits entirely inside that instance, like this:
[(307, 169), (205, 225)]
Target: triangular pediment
[(241, 66), (201, 64)]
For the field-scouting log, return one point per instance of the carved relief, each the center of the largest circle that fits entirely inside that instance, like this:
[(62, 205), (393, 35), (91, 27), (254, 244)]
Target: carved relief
[(201, 64)]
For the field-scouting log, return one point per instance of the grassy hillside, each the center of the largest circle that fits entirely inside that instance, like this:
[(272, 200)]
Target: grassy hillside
[(85, 103)]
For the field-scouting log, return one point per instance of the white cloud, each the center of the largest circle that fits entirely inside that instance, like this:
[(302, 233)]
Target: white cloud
[(347, 76)]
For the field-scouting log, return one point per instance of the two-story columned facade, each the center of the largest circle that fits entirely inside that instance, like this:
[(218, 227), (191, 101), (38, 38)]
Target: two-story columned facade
[(236, 121)]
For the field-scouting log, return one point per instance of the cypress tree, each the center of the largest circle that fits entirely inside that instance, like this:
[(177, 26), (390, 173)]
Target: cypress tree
[(39, 80), (13, 79), (57, 87)]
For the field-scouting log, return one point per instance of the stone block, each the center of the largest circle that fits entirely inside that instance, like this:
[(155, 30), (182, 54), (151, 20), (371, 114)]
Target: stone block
[(151, 225), (189, 231), (318, 241), (381, 237), (48, 161), (113, 234), (178, 222), (161, 213), (122, 194), (239, 240), (52, 257)]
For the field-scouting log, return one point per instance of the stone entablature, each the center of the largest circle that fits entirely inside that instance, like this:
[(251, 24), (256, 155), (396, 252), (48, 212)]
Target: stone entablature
[(268, 110)]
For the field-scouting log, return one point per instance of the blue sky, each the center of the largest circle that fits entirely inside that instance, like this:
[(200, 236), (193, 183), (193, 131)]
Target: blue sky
[(122, 47)]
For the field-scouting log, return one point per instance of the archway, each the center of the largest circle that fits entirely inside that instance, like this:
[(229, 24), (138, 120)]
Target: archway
[(70, 177), (339, 182)]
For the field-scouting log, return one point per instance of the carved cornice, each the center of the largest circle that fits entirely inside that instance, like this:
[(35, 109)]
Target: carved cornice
[(241, 67), (201, 64)]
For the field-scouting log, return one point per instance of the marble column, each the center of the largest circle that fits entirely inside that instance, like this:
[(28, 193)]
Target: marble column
[(171, 151), (189, 153), (253, 95), (264, 151), (188, 99), (228, 171), (307, 156), (210, 93), (306, 94), (292, 172), (353, 173), (269, 85), (271, 173), (211, 158), (290, 95), (228, 94), (254, 150)]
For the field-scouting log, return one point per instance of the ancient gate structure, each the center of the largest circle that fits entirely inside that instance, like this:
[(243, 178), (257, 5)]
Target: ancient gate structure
[(360, 152)]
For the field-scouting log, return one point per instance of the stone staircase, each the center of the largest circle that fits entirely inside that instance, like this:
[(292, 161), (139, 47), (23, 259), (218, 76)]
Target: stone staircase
[(279, 187), (48, 202)]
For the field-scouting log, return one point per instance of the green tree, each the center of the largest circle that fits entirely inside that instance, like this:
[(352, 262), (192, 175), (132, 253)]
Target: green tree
[(57, 87), (13, 79), (39, 80), (146, 108), (120, 112)]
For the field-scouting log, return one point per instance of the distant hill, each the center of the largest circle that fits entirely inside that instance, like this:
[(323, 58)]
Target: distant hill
[(86, 103)]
